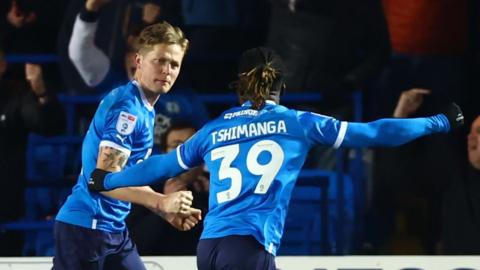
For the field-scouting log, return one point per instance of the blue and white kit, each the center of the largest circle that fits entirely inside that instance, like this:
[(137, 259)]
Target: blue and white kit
[(254, 158)]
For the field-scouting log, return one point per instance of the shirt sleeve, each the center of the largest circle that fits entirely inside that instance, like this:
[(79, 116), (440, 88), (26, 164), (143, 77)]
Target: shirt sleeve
[(120, 124), (393, 131), (155, 169), (91, 63), (190, 154), (322, 129)]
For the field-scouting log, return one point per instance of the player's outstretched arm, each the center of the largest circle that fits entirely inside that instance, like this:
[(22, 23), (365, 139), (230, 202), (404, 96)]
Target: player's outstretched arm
[(113, 160), (394, 132), (174, 203), (156, 168)]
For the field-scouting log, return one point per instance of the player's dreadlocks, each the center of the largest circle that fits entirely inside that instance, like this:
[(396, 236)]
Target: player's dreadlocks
[(260, 77)]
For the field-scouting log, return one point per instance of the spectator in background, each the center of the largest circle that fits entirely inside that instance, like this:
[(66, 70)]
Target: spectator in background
[(98, 71), (220, 30), (25, 21), (26, 105), (31, 27), (460, 214), (410, 183), (184, 105), (147, 229), (108, 29), (330, 46), (461, 206), (427, 53), (409, 102), (195, 179)]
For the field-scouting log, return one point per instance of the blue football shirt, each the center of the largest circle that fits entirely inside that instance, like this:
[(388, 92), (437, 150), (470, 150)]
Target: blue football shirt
[(254, 158), (124, 121)]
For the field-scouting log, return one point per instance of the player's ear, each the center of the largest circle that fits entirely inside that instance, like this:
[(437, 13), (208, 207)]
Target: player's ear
[(138, 60)]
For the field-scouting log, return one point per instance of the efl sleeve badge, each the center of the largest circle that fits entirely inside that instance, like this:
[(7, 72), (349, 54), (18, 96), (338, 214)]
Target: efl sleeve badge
[(126, 123)]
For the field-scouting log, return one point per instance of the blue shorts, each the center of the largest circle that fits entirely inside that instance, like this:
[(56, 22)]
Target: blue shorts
[(81, 248), (233, 252)]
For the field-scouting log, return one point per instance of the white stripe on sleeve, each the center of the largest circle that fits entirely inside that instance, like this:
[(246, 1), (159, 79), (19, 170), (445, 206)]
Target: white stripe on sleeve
[(116, 146), (180, 160), (341, 134)]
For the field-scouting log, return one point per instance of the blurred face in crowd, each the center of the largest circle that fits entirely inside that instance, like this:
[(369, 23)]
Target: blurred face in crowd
[(474, 144), (158, 68), (130, 64), (194, 177), (18, 17), (178, 136)]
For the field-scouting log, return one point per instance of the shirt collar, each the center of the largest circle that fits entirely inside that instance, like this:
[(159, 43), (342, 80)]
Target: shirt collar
[(142, 95), (249, 103)]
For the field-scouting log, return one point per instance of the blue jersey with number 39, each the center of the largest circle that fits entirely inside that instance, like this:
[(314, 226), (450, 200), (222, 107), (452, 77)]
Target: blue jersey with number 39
[(254, 158)]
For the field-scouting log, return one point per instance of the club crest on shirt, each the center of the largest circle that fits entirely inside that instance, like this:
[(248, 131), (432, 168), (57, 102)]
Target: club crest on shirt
[(126, 123)]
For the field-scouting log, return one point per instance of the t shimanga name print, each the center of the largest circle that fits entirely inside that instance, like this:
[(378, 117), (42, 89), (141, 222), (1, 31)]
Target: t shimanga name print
[(249, 130)]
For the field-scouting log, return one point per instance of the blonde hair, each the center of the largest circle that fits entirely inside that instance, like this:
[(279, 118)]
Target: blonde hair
[(160, 33), (256, 84)]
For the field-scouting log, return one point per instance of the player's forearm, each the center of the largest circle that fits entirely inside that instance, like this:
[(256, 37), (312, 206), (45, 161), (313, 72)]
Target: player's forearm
[(145, 173), (393, 132), (144, 196)]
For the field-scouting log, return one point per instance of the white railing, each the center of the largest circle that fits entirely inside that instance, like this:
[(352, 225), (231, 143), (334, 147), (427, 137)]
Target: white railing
[(288, 263)]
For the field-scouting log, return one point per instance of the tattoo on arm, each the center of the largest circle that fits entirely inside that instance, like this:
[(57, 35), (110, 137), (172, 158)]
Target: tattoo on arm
[(108, 159), (111, 159), (122, 160)]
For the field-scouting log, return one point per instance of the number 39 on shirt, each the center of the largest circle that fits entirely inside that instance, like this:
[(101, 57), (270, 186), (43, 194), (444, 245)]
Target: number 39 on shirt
[(267, 172)]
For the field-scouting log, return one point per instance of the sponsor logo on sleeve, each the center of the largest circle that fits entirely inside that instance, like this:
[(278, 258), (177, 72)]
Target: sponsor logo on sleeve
[(126, 123)]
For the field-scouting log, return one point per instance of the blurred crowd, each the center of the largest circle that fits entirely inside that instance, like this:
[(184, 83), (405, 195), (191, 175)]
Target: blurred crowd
[(407, 58)]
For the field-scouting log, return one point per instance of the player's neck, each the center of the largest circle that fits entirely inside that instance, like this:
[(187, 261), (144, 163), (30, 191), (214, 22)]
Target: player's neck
[(148, 96), (151, 96)]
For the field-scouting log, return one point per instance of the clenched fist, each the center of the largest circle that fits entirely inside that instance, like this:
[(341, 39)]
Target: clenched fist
[(175, 203), (185, 221)]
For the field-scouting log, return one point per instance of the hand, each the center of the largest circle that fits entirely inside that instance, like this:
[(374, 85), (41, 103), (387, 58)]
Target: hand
[(184, 222), (33, 74), (409, 102), (174, 203), (151, 12), (95, 5), (454, 115)]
